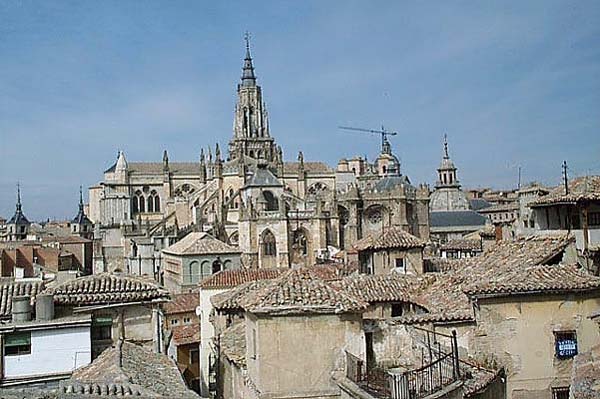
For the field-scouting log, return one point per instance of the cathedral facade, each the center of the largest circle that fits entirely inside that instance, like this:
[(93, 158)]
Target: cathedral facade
[(278, 213)]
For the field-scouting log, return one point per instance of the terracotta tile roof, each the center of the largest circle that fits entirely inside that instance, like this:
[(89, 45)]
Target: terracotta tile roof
[(11, 288), (105, 288), (443, 294), (127, 370), (391, 238), (532, 279), (486, 232), (299, 291), (233, 344), (228, 300), (476, 378), (462, 244), (182, 303), (199, 243), (186, 334), (585, 188), (232, 278), (393, 287)]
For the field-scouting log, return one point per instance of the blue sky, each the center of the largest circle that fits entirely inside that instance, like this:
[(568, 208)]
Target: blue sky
[(511, 83)]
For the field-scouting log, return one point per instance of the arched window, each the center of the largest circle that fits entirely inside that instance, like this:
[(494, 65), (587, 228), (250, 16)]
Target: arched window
[(153, 202), (269, 245), (141, 202), (234, 238), (135, 204), (150, 204), (156, 203), (192, 273), (217, 265)]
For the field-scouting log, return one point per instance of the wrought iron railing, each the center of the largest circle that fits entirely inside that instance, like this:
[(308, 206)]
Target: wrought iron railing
[(441, 370)]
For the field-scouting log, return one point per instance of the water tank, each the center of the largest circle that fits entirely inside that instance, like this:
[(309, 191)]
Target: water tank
[(44, 307), (21, 308)]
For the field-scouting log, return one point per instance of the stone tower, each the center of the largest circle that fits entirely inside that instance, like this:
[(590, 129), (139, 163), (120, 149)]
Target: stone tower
[(81, 225), (447, 195), (251, 136), (18, 225)]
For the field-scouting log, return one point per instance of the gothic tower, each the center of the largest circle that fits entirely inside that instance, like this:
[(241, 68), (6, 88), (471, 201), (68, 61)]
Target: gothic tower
[(251, 136)]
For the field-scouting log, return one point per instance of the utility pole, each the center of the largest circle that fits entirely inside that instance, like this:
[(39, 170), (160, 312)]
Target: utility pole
[(565, 176)]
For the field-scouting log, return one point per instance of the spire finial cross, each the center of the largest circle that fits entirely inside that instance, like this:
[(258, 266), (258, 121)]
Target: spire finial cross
[(247, 39), (446, 145)]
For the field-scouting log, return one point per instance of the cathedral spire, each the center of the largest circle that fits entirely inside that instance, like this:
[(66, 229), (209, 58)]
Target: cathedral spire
[(248, 77), (18, 197), (80, 199)]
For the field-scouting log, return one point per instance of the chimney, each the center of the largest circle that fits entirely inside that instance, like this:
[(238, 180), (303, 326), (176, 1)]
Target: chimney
[(44, 307), (21, 308)]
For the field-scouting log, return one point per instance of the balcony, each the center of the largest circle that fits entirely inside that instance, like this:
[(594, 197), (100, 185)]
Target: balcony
[(440, 372)]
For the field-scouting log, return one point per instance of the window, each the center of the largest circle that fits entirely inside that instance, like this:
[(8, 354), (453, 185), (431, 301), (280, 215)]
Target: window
[(269, 245), (594, 219), (192, 274), (194, 356), (102, 328), (566, 344), (397, 309), (525, 224), (400, 265), (560, 393), (187, 320), (17, 343), (139, 203), (174, 322), (531, 223), (217, 265)]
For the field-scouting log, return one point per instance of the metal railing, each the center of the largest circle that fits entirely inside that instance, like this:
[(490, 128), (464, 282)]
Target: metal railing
[(441, 370)]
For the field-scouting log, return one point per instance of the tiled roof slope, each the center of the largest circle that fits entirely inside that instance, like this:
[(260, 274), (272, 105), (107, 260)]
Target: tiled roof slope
[(557, 278), (391, 238), (182, 303), (11, 288), (233, 344), (186, 334), (199, 243), (107, 288), (127, 370), (300, 291), (229, 300), (515, 264), (232, 278), (461, 244), (586, 188)]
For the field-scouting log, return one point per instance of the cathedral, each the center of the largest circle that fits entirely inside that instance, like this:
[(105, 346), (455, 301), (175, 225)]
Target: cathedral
[(278, 213)]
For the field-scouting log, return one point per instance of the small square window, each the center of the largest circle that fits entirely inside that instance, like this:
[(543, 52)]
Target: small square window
[(397, 309), (18, 343), (400, 265), (566, 344)]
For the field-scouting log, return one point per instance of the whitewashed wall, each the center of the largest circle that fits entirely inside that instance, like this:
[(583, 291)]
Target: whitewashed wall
[(52, 351)]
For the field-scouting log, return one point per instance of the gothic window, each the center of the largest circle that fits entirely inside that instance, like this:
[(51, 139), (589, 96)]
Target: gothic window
[(317, 188), (150, 203), (139, 202), (375, 215), (156, 203), (135, 204), (269, 245)]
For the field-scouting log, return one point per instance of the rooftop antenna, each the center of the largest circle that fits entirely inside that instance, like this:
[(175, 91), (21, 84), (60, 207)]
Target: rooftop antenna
[(383, 132), (565, 176)]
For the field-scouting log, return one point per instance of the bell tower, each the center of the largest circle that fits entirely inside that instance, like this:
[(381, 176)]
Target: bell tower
[(251, 135)]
